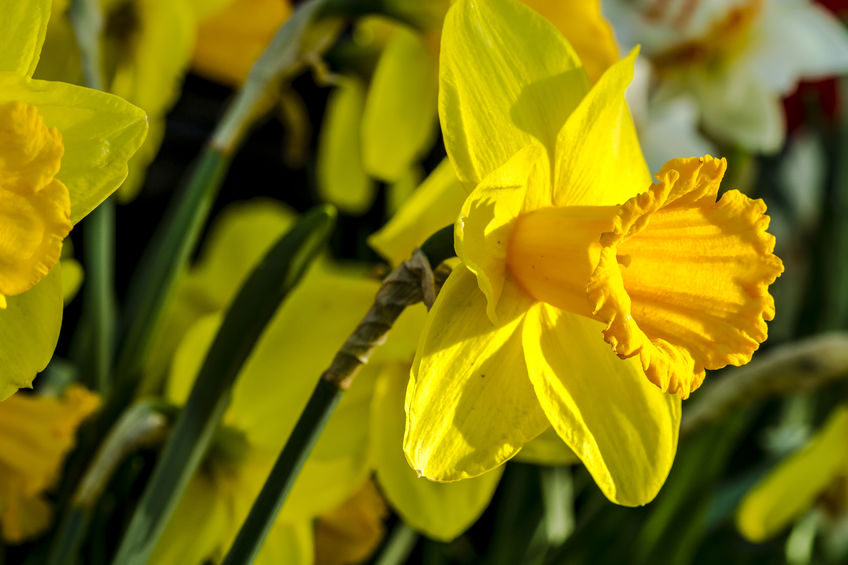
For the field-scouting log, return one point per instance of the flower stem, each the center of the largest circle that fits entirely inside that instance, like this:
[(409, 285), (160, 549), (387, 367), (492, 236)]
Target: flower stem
[(142, 425), (99, 251), (245, 320), (401, 542), (791, 368), (410, 283)]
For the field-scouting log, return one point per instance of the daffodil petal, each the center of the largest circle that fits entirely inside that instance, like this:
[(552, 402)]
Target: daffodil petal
[(22, 30), (323, 485), (498, 91), (352, 531), (598, 159), (432, 206), (202, 511), (399, 118), (72, 276), (621, 426), (100, 133), (441, 511), (287, 542), (792, 488), (469, 405), (342, 179), (583, 25), (29, 330), (482, 231), (547, 449)]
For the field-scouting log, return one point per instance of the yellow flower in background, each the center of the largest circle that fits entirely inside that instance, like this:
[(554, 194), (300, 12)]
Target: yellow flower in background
[(364, 435), (63, 150), (37, 433), (565, 245), (818, 471), (231, 39), (351, 532), (146, 46), (381, 130)]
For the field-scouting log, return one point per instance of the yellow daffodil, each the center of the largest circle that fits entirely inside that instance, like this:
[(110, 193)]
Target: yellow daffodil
[(230, 39), (37, 433), (351, 532), (146, 46), (819, 471), (63, 150), (566, 245)]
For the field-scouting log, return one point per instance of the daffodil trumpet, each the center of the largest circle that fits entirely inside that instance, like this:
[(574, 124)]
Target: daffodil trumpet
[(589, 299)]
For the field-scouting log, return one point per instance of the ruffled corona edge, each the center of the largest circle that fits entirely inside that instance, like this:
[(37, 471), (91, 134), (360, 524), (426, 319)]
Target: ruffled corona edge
[(683, 279)]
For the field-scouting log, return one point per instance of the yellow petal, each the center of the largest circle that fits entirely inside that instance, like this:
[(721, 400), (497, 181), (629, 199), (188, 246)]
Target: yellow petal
[(432, 206), (155, 55), (238, 239), (793, 486), (547, 449), (621, 427), (692, 291), (351, 532), (598, 159), (100, 132), (400, 111), (37, 433), (301, 340), (29, 330), (342, 180), (230, 40), (507, 76), (324, 484), (34, 207), (469, 405), (583, 25), (23, 25), (197, 528), (72, 276), (482, 230), (442, 511), (288, 542)]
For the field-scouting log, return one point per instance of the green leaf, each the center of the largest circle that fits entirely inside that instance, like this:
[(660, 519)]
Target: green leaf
[(244, 322)]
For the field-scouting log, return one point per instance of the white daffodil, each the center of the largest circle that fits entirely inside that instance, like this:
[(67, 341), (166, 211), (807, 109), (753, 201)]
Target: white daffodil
[(735, 58)]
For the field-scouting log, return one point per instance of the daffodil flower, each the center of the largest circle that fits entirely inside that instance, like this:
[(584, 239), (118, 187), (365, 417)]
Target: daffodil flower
[(63, 150), (147, 45), (364, 435), (37, 432), (233, 34), (589, 299), (736, 60), (817, 470)]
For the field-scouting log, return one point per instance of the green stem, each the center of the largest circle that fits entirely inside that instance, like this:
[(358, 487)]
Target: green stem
[(163, 260), (401, 543), (410, 283), (321, 404), (143, 424), (99, 249), (243, 324)]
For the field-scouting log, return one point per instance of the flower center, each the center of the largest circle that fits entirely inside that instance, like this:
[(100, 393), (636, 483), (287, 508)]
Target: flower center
[(34, 206), (678, 278)]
